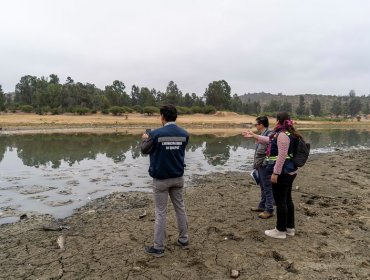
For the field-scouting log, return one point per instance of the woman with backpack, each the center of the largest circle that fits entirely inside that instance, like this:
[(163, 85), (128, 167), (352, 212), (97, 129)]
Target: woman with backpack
[(283, 171)]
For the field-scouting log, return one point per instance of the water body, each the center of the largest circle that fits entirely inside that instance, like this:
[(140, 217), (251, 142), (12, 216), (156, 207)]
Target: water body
[(58, 173)]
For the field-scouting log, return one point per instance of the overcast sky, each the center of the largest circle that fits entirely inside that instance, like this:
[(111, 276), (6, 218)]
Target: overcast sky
[(288, 46)]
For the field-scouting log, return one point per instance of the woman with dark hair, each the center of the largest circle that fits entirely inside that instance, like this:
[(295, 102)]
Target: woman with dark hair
[(283, 172)]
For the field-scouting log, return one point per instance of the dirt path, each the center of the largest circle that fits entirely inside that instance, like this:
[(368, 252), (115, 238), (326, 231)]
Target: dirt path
[(105, 239)]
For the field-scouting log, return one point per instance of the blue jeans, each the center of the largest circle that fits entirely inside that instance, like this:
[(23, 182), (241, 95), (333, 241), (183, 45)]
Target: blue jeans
[(267, 198)]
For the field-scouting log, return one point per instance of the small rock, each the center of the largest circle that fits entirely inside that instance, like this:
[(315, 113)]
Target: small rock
[(142, 215), (136, 268), (24, 216), (234, 273), (61, 242)]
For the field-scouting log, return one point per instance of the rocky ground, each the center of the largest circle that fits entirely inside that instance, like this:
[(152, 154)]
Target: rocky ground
[(105, 239)]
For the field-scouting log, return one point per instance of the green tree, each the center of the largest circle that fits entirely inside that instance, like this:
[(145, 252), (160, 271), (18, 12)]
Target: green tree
[(135, 92), (84, 94), (366, 108), (172, 95), (146, 98), (69, 81), (79, 95), (316, 107), (286, 107), (218, 94), (345, 108), (154, 93), (54, 79), (197, 101), (2, 99), (236, 104), (25, 90), (68, 88), (354, 106), (188, 100), (253, 108), (352, 93), (41, 96), (118, 86), (55, 94), (274, 106), (336, 108), (116, 94), (301, 110)]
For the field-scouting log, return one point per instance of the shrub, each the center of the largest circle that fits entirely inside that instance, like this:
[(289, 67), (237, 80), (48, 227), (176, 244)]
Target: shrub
[(150, 110), (39, 111), (105, 111), (126, 109), (56, 111), (196, 109), (209, 109), (45, 109), (26, 108), (183, 110), (138, 109), (81, 110), (116, 110)]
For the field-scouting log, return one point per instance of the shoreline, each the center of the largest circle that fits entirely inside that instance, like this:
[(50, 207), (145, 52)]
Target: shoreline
[(105, 238), (137, 130), (221, 123)]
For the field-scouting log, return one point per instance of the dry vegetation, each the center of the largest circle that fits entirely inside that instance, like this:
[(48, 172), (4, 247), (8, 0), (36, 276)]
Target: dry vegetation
[(219, 123)]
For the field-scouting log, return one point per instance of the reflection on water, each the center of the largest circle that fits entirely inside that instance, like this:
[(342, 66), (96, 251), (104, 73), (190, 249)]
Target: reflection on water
[(57, 173)]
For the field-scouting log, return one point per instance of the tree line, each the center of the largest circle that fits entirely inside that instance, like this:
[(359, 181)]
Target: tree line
[(347, 106), (44, 95)]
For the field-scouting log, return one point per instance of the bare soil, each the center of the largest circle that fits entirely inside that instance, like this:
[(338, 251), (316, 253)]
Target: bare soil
[(220, 123), (105, 239)]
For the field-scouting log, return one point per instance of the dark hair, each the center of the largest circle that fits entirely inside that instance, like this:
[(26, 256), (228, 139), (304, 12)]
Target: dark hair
[(263, 120), (283, 116), (169, 113)]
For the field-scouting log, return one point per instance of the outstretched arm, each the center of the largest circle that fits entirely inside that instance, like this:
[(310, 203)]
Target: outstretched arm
[(260, 139)]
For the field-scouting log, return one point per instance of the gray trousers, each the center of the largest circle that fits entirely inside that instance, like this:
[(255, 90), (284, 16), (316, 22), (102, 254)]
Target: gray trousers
[(161, 189)]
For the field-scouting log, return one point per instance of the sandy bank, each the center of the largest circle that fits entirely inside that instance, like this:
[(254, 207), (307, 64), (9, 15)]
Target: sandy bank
[(221, 123)]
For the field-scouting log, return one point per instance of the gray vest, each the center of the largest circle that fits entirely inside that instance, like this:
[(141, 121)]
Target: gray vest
[(260, 152)]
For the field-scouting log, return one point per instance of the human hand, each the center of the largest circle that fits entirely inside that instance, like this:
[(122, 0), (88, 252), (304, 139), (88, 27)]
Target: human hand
[(144, 136), (274, 178), (248, 134)]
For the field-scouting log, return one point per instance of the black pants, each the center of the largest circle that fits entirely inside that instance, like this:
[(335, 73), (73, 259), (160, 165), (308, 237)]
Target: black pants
[(283, 199)]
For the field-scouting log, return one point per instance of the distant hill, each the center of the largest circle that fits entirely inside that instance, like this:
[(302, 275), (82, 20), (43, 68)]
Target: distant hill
[(326, 100)]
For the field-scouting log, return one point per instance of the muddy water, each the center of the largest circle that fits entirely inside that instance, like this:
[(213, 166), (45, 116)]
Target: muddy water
[(57, 173)]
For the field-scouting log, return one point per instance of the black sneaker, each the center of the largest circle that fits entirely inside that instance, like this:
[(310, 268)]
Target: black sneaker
[(154, 252), (183, 245)]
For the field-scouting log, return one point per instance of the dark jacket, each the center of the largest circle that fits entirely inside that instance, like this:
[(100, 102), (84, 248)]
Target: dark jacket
[(166, 147)]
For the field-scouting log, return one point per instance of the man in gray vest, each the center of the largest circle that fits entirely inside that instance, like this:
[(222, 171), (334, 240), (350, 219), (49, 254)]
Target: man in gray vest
[(265, 205)]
